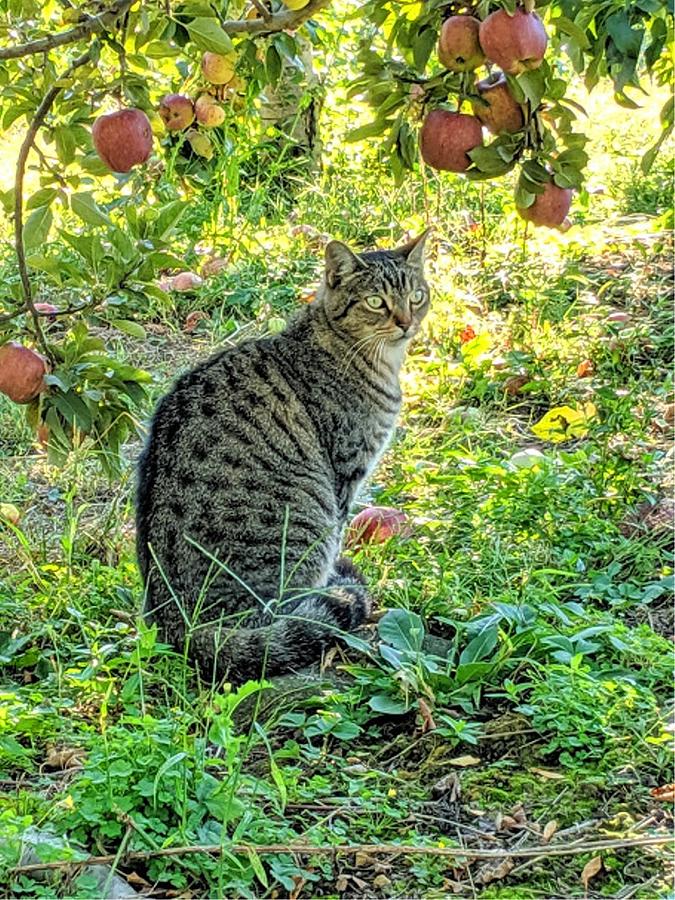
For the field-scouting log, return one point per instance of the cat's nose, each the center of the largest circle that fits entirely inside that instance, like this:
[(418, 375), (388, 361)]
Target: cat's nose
[(403, 322)]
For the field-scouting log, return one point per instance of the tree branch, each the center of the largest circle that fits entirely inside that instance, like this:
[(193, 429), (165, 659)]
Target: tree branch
[(465, 853), (92, 25), (34, 127), (288, 20)]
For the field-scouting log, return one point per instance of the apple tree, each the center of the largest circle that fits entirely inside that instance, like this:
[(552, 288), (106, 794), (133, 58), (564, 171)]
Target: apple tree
[(120, 109)]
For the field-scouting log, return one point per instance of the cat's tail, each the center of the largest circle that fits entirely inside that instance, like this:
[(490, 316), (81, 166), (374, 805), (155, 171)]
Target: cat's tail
[(292, 639)]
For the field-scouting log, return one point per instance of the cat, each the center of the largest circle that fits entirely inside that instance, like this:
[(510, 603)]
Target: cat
[(252, 463)]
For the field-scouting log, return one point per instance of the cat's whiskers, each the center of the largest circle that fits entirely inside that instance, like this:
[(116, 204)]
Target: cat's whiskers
[(358, 346)]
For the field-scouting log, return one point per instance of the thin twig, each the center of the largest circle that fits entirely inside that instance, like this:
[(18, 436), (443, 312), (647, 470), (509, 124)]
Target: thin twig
[(92, 25), (351, 849), (38, 119)]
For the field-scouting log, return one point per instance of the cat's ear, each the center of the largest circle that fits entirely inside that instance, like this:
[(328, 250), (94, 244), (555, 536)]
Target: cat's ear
[(413, 251), (340, 262)]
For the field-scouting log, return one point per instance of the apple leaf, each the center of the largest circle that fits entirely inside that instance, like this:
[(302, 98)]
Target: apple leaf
[(85, 207), (36, 227), (208, 35)]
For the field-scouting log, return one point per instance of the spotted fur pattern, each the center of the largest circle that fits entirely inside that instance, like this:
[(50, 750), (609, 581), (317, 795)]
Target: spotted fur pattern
[(253, 460)]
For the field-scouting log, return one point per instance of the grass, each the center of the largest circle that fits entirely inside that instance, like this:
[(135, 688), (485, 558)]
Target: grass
[(542, 584)]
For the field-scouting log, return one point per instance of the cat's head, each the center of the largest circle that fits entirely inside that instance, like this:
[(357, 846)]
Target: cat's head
[(381, 293)]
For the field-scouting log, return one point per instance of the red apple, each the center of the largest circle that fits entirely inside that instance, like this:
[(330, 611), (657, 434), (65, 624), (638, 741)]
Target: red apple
[(376, 524), (515, 43), (218, 69), (446, 137), (458, 47), (22, 372), (176, 111), (123, 139), (500, 112), (550, 208)]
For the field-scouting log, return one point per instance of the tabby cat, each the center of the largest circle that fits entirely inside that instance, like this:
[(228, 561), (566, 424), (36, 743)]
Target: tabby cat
[(253, 460)]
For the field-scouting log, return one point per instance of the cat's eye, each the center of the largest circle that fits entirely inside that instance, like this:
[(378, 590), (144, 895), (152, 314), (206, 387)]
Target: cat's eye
[(418, 297), (375, 302)]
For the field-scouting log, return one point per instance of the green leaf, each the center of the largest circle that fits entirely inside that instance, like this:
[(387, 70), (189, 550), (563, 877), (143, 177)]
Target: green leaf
[(208, 35), (402, 629), (168, 218), (383, 703), (36, 228), (85, 207), (627, 41), (533, 84), (43, 197), (65, 144), (480, 646), (128, 327), (567, 26), (367, 131), (273, 64), (422, 47)]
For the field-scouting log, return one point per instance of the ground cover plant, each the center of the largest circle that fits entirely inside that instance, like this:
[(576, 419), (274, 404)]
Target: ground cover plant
[(503, 728)]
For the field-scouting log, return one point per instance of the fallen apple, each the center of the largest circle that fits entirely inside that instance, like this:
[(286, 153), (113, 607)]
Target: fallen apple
[(497, 110), (9, 513), (458, 46), (176, 111), (186, 281), (218, 69), (549, 208), (209, 113), (22, 372), (376, 524), (215, 265), (516, 43), (123, 139), (446, 138)]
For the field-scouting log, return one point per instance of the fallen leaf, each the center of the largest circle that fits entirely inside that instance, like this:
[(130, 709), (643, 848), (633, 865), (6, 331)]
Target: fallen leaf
[(466, 334), (562, 423), (494, 871), (590, 870), (299, 882), (428, 723), (550, 829), (341, 883), (363, 860), (463, 761), (448, 786), (669, 413), (381, 881), (193, 319), (665, 793), (585, 369), (548, 773), (514, 384), (308, 295), (65, 758)]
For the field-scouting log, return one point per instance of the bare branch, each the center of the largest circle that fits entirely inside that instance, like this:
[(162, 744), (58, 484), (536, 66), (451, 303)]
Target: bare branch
[(34, 127), (91, 26), (288, 20), (541, 852)]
